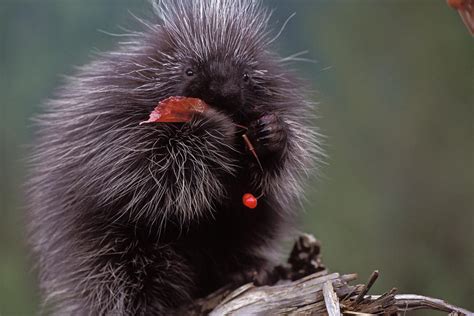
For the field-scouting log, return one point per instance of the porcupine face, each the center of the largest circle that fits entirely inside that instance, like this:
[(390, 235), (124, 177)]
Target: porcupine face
[(215, 48), (220, 83)]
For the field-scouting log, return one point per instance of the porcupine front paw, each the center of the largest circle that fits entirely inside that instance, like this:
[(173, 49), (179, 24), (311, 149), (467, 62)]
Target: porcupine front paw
[(268, 136), (259, 277)]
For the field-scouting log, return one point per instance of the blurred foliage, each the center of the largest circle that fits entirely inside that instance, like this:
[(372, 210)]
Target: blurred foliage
[(394, 81)]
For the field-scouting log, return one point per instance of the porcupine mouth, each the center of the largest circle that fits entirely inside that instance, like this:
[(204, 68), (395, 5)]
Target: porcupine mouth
[(232, 108)]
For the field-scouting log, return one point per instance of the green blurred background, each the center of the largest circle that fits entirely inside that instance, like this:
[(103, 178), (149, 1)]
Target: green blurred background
[(395, 84)]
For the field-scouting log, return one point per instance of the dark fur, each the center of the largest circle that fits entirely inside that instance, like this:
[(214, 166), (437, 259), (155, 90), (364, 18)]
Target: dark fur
[(136, 220)]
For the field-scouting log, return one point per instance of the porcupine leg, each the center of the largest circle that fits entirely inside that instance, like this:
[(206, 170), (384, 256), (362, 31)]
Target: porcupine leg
[(162, 280), (125, 278), (264, 275)]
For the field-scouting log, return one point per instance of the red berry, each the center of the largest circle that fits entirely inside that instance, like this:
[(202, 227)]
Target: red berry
[(249, 200)]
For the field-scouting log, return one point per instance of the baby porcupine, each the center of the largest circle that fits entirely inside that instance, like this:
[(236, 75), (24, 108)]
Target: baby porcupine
[(130, 219)]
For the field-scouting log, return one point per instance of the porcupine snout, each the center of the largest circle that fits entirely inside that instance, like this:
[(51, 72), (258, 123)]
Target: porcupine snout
[(226, 93), (220, 85)]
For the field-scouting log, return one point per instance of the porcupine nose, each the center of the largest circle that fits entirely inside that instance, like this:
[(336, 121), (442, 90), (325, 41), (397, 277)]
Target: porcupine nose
[(226, 94), (224, 89)]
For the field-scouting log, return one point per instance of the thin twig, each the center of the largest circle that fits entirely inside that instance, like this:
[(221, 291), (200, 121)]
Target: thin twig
[(372, 279), (252, 150), (409, 302)]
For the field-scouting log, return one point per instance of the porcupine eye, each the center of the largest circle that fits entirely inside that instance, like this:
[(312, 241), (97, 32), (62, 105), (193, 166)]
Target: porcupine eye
[(246, 77), (189, 72)]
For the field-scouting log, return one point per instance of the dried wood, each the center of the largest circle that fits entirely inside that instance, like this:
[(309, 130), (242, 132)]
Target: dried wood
[(331, 300), (305, 287)]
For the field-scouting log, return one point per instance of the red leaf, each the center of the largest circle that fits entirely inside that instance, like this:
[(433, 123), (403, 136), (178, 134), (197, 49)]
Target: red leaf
[(176, 110)]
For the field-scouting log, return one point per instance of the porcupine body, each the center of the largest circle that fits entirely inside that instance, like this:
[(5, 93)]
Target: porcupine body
[(137, 220)]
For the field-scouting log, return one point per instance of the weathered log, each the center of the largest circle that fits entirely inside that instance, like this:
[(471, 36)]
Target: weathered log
[(305, 287)]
